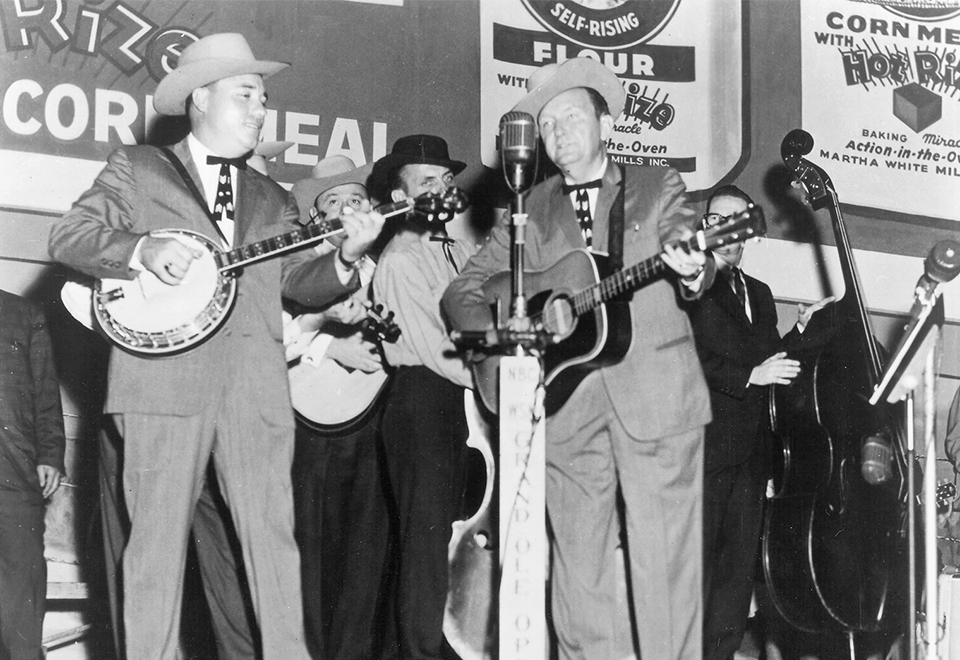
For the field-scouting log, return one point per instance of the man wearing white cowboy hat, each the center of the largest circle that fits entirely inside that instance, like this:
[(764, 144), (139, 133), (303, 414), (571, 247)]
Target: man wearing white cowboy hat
[(638, 424), (424, 428), (340, 507), (227, 398)]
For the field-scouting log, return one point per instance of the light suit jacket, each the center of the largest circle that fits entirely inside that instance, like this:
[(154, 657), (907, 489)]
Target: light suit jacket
[(139, 191), (658, 389)]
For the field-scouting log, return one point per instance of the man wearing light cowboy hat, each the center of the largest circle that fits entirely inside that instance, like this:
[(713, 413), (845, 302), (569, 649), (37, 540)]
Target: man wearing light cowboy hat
[(424, 428), (340, 507), (637, 424), (227, 398)]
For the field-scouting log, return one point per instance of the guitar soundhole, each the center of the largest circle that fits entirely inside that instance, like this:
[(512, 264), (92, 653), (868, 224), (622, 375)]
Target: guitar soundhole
[(558, 316)]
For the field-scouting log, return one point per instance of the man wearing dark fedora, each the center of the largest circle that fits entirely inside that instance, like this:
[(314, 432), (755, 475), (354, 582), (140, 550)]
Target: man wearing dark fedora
[(226, 399), (424, 428), (340, 505), (637, 425)]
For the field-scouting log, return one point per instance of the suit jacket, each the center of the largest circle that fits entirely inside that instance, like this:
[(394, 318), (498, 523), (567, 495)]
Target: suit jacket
[(31, 417), (730, 346), (139, 191), (658, 389)]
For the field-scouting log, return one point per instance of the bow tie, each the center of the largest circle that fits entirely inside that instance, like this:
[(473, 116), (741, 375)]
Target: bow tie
[(239, 163), (569, 188)]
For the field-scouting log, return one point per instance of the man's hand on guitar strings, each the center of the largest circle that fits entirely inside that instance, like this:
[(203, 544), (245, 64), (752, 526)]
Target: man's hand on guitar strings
[(167, 258)]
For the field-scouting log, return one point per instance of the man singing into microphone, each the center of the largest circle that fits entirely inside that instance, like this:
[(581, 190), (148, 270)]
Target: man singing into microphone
[(638, 424)]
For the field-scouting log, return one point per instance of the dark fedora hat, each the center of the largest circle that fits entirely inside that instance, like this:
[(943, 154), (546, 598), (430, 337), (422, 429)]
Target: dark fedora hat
[(415, 150)]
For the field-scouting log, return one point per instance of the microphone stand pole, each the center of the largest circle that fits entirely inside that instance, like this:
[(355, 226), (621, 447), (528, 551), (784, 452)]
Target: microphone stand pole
[(911, 528), (522, 594), (930, 509)]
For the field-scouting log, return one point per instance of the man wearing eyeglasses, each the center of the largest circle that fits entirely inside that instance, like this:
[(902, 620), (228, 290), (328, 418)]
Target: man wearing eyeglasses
[(735, 325)]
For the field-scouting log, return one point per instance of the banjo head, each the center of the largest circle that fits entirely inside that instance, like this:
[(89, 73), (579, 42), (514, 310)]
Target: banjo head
[(149, 317)]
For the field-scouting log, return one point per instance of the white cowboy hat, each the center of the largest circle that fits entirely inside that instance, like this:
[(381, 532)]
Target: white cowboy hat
[(551, 79), (207, 60), (328, 173)]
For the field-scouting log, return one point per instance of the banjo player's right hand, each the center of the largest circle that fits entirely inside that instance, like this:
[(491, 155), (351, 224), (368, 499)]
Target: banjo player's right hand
[(167, 258)]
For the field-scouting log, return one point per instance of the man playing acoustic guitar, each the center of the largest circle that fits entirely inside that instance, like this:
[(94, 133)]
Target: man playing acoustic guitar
[(637, 424)]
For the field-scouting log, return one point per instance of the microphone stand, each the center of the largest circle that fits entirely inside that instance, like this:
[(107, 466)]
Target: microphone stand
[(911, 365)]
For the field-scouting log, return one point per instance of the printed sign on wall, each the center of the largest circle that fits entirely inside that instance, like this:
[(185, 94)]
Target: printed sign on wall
[(881, 98), (681, 64)]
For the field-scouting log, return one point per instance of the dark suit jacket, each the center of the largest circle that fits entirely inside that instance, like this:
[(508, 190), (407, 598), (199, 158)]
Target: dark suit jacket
[(31, 417), (730, 346), (139, 191), (658, 389)]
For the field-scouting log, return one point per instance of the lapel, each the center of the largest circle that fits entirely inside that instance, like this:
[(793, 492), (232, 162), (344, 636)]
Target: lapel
[(183, 153), (562, 214), (605, 200)]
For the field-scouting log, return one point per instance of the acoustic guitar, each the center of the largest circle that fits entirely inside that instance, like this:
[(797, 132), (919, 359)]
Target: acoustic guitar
[(571, 299)]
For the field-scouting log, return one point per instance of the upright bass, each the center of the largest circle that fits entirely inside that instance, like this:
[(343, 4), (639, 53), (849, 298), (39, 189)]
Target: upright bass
[(835, 543)]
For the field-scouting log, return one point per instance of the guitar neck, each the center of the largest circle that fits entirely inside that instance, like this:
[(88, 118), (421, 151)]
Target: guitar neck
[(294, 240), (624, 281)]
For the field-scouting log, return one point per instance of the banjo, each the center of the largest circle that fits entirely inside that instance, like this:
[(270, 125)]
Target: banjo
[(149, 318)]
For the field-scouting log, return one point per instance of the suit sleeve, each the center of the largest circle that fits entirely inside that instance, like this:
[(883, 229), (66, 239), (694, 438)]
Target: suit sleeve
[(676, 214), (95, 235), (48, 412), (310, 279), (463, 302)]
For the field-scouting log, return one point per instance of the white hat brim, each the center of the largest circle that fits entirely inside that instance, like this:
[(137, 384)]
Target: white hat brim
[(173, 90)]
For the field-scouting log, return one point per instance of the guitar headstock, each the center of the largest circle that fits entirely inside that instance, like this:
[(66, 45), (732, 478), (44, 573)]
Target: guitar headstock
[(740, 227), (380, 325), (814, 181), (434, 207)]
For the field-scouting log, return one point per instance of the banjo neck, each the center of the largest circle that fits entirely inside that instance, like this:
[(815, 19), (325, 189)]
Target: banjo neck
[(294, 240)]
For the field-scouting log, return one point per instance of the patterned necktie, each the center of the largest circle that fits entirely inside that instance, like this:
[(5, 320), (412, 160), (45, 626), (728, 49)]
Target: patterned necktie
[(223, 203), (582, 207), (584, 216), (739, 288)]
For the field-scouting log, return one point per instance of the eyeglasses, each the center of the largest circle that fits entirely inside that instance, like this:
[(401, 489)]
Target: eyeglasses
[(714, 219)]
